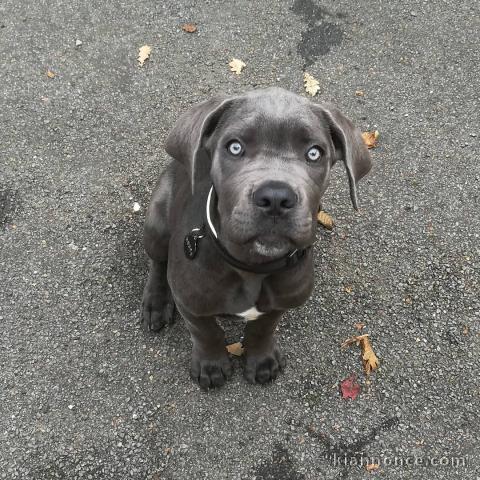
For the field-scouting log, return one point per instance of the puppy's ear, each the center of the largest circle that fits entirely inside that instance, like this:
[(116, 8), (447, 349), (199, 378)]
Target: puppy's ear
[(186, 140), (349, 146)]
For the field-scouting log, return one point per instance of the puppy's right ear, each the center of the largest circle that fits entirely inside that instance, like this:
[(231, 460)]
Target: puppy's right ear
[(186, 140)]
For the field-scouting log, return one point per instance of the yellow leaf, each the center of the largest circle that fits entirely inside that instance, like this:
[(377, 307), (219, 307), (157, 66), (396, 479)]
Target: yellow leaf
[(371, 138), (189, 27), (51, 74), (236, 66), (369, 359), (311, 84), (144, 54), (371, 467), (235, 349), (325, 219)]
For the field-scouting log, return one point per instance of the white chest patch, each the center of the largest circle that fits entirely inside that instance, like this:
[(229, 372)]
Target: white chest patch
[(250, 314)]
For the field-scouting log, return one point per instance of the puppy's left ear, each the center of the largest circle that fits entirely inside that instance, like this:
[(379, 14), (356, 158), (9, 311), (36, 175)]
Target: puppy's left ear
[(349, 146)]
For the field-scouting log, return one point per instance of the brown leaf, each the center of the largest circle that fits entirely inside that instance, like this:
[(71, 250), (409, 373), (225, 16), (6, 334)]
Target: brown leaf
[(51, 74), (311, 84), (144, 54), (189, 27), (359, 326), (235, 349), (355, 339), (371, 467), (350, 387), (348, 289), (370, 360), (359, 93), (371, 138), (236, 66), (325, 219)]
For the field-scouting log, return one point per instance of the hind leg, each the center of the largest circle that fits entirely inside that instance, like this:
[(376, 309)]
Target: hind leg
[(158, 305)]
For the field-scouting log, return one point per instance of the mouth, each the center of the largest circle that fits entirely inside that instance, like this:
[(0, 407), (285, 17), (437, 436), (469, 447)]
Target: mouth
[(271, 247)]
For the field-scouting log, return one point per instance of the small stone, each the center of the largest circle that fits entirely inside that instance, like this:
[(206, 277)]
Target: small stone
[(73, 246), (71, 407), (413, 14), (136, 207), (78, 43)]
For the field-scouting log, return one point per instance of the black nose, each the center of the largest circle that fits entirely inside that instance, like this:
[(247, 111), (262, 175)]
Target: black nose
[(275, 198)]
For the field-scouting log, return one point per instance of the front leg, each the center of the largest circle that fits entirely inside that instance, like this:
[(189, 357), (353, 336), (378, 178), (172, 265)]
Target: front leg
[(211, 365), (263, 358), (157, 306)]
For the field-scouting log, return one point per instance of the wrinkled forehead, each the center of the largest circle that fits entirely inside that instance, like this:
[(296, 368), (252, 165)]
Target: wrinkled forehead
[(273, 122)]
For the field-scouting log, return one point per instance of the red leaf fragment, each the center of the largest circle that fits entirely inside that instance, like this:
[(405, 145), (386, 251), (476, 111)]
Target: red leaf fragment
[(350, 387)]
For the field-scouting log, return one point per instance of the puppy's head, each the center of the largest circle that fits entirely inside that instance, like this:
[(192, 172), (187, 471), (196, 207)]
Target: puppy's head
[(268, 154)]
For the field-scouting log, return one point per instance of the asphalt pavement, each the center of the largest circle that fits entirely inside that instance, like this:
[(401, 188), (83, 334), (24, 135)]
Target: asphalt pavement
[(85, 394)]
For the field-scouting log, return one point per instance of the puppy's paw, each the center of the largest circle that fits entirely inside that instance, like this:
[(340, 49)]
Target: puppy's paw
[(210, 373), (157, 310), (263, 366)]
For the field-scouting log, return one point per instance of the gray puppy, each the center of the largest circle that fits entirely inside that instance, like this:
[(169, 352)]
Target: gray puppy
[(232, 220)]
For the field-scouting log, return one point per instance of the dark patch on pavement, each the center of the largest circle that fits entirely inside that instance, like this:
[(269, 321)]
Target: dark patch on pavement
[(338, 452), (320, 35), (280, 467), (8, 205)]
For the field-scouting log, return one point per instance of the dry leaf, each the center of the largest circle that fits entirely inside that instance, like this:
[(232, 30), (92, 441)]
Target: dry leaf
[(359, 93), (350, 387), (359, 326), (144, 54), (371, 138), (355, 339), (348, 289), (325, 219), (189, 27), (371, 467), (51, 74), (311, 84), (235, 349), (236, 66), (370, 360)]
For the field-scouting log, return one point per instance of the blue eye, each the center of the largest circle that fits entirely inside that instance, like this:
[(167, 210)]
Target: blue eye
[(313, 154), (235, 148)]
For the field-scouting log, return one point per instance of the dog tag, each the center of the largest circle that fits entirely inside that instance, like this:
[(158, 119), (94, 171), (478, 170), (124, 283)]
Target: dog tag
[(190, 245)]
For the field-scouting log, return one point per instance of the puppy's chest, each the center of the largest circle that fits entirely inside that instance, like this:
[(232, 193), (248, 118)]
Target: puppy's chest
[(250, 301), (251, 314), (242, 301)]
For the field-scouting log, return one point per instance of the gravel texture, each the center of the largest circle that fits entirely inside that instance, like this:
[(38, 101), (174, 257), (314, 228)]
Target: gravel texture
[(85, 394)]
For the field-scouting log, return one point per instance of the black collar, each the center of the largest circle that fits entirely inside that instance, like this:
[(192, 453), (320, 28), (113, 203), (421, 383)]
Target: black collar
[(274, 266)]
